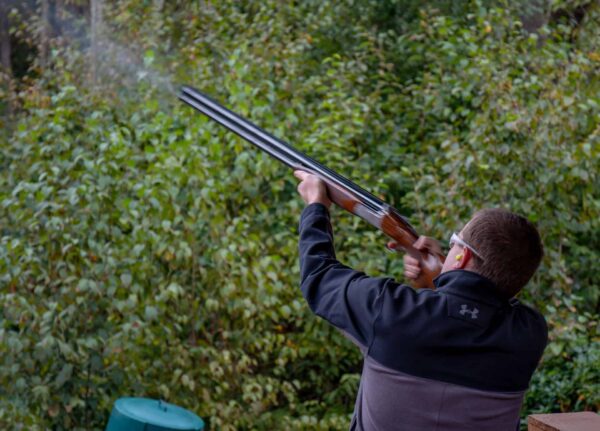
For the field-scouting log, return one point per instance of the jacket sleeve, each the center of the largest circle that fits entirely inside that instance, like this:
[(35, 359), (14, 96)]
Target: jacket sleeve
[(346, 298)]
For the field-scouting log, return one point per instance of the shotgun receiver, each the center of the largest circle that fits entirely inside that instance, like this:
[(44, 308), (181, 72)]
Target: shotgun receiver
[(342, 191)]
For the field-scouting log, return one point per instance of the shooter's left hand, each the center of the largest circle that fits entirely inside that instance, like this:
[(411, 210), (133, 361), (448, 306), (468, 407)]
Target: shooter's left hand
[(312, 189)]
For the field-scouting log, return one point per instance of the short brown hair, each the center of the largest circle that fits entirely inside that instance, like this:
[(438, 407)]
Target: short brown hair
[(510, 245)]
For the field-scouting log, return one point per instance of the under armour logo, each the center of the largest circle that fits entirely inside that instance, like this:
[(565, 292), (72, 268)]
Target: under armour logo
[(465, 310)]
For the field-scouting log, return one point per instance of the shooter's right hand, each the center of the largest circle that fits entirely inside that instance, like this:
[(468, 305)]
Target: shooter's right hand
[(423, 275)]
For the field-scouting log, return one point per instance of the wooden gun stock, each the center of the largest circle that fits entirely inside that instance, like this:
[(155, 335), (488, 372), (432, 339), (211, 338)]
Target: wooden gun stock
[(342, 191), (389, 221)]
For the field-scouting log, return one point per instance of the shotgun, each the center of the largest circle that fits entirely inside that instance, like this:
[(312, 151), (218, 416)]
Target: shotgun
[(341, 190)]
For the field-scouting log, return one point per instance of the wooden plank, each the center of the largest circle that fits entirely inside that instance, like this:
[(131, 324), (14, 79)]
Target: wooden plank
[(581, 421)]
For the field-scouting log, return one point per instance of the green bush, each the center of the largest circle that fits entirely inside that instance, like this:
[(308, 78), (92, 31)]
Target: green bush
[(145, 251)]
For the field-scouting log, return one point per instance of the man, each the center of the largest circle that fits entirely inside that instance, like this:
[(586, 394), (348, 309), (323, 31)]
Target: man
[(457, 356)]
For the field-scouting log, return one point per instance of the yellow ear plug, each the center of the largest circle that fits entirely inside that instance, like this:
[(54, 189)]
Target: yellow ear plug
[(458, 257)]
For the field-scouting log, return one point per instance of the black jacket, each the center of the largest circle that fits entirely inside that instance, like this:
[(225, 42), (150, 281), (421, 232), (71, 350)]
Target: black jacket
[(463, 333)]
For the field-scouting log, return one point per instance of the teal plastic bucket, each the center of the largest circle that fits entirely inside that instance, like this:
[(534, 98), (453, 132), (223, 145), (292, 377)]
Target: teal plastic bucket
[(145, 414)]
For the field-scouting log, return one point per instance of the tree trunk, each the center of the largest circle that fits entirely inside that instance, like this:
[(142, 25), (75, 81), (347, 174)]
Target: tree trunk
[(5, 40), (96, 24), (46, 33)]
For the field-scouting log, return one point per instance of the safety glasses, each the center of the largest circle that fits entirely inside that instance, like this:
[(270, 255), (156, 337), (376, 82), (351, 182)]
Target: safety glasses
[(455, 239)]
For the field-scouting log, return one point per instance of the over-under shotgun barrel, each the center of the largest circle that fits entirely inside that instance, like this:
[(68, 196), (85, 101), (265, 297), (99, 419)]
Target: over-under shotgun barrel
[(272, 145), (342, 191)]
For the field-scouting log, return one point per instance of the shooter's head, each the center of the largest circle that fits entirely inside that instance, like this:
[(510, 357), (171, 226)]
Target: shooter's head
[(500, 245)]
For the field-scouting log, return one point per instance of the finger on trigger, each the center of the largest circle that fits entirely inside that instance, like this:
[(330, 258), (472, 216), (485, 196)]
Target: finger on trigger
[(421, 243)]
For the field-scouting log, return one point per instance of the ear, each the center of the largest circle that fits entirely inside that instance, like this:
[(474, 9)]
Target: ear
[(466, 256)]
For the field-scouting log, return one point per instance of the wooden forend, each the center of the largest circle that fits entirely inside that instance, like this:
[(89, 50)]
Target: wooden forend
[(582, 421)]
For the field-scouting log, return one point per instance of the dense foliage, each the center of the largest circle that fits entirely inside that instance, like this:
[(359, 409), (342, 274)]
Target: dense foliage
[(145, 251)]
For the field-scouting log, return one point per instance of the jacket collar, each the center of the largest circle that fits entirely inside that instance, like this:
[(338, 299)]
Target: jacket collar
[(470, 285)]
